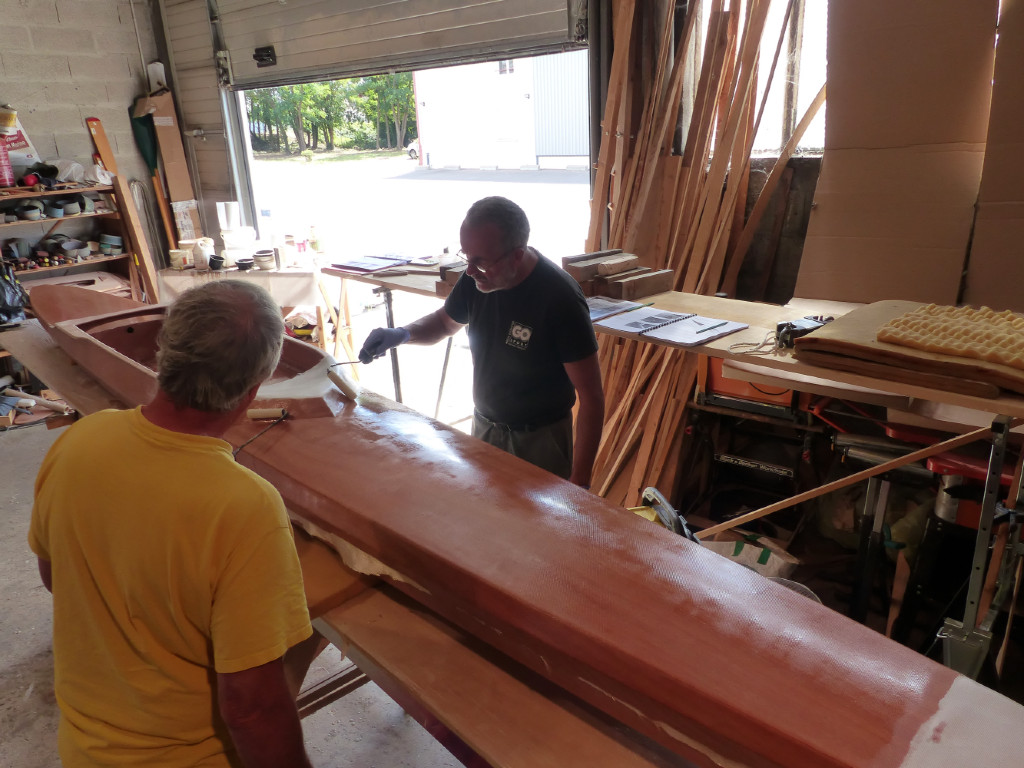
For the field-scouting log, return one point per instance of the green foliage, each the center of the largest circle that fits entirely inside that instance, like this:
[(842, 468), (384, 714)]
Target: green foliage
[(360, 113)]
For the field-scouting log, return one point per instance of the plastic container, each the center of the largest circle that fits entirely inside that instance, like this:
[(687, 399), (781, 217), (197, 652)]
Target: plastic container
[(231, 255), (228, 216)]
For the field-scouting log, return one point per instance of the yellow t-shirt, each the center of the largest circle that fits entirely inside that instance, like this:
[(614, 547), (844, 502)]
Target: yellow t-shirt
[(170, 562)]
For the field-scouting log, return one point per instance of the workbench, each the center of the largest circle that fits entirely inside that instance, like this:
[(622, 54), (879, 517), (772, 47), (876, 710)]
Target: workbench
[(966, 642), (289, 286), (482, 706)]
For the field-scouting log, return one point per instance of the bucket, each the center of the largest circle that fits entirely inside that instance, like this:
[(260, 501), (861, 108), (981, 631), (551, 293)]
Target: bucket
[(8, 120)]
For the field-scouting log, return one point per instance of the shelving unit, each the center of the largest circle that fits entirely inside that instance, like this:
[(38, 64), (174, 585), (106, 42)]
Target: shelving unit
[(109, 221), (47, 220)]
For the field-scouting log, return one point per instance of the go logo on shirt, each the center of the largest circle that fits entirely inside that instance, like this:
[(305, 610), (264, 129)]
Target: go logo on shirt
[(519, 335)]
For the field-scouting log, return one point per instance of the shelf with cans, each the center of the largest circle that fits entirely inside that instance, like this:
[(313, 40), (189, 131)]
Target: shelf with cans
[(60, 228)]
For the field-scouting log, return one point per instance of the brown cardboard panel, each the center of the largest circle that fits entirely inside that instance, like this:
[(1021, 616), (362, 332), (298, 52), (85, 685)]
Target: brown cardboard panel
[(994, 267), (907, 112), (913, 70), (996, 263), (890, 224)]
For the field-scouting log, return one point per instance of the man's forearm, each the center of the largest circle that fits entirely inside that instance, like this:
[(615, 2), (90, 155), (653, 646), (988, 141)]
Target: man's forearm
[(431, 328), (589, 423), (271, 739)]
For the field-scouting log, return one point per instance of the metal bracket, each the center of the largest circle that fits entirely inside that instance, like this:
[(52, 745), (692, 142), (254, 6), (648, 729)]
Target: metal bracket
[(223, 64), (965, 644), (964, 651)]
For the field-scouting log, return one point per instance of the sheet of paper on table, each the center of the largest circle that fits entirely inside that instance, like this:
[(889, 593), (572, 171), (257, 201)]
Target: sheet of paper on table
[(686, 329), (604, 306), (371, 263)]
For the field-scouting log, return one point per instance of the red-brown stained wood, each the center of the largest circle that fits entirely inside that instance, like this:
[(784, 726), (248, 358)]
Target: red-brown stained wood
[(703, 655)]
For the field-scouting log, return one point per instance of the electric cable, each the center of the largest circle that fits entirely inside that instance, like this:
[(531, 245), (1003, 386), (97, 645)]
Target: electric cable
[(765, 347)]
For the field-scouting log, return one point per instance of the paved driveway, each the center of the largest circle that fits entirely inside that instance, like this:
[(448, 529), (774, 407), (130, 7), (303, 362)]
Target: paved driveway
[(391, 205)]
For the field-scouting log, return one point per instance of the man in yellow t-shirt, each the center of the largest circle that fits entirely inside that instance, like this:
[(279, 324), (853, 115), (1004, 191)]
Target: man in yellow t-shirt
[(176, 585)]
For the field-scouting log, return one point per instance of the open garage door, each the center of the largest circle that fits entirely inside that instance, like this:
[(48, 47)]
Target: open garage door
[(212, 48), (269, 43)]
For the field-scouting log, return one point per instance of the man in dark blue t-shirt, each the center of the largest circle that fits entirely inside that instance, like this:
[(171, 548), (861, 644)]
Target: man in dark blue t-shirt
[(533, 345)]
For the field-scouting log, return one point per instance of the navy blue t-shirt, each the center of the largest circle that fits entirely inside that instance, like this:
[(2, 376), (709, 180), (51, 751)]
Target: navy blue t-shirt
[(520, 339)]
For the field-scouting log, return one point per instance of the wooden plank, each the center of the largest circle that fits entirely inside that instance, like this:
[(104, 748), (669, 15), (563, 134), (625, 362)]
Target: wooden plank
[(618, 264), (616, 87), (452, 684), (586, 256), (639, 286), (853, 336), (959, 384), (588, 269), (31, 346), (129, 214)]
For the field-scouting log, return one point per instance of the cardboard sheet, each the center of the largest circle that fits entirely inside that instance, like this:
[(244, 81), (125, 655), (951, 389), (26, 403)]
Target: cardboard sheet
[(907, 115), (997, 249)]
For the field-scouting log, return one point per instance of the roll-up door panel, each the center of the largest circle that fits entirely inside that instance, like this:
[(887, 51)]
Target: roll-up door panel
[(323, 39)]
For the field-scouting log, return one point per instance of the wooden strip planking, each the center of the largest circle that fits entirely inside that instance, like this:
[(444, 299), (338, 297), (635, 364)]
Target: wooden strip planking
[(774, 177), (616, 89)]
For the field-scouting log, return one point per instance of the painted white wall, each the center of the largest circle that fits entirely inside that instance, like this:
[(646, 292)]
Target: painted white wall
[(474, 116)]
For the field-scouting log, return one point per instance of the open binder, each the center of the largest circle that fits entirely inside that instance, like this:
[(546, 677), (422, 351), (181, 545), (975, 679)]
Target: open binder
[(688, 330)]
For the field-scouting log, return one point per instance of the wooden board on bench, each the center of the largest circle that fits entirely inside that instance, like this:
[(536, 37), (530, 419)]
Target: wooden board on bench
[(848, 343)]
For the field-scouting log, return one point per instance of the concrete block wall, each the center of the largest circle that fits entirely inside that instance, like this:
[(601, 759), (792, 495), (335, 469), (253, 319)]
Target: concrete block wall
[(62, 61)]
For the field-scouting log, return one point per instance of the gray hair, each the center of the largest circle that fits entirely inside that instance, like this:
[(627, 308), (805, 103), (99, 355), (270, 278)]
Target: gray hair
[(508, 217), (218, 341)]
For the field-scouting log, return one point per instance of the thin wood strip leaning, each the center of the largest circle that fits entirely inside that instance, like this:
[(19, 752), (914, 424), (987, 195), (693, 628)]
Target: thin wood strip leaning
[(923, 453)]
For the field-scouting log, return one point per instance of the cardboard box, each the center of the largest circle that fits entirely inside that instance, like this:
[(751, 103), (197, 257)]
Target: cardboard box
[(160, 106), (759, 553)]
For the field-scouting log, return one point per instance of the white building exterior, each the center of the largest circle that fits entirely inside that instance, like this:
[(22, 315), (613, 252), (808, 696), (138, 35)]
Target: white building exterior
[(519, 113)]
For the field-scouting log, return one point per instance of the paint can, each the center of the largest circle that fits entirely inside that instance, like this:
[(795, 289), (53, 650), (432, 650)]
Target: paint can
[(180, 258), (8, 120)]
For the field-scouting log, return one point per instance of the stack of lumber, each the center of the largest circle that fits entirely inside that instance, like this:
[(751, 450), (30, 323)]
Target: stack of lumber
[(683, 212), (450, 274), (616, 274)]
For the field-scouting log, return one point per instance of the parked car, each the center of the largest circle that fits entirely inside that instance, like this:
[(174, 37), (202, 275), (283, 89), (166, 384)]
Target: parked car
[(413, 149)]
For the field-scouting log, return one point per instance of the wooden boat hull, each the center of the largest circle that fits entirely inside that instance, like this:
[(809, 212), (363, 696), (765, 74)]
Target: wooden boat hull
[(115, 339), (720, 665)]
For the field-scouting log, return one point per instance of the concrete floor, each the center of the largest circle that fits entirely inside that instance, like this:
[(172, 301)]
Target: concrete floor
[(365, 729)]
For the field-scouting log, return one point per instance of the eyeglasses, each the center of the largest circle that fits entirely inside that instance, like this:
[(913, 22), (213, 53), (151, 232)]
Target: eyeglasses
[(483, 265)]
